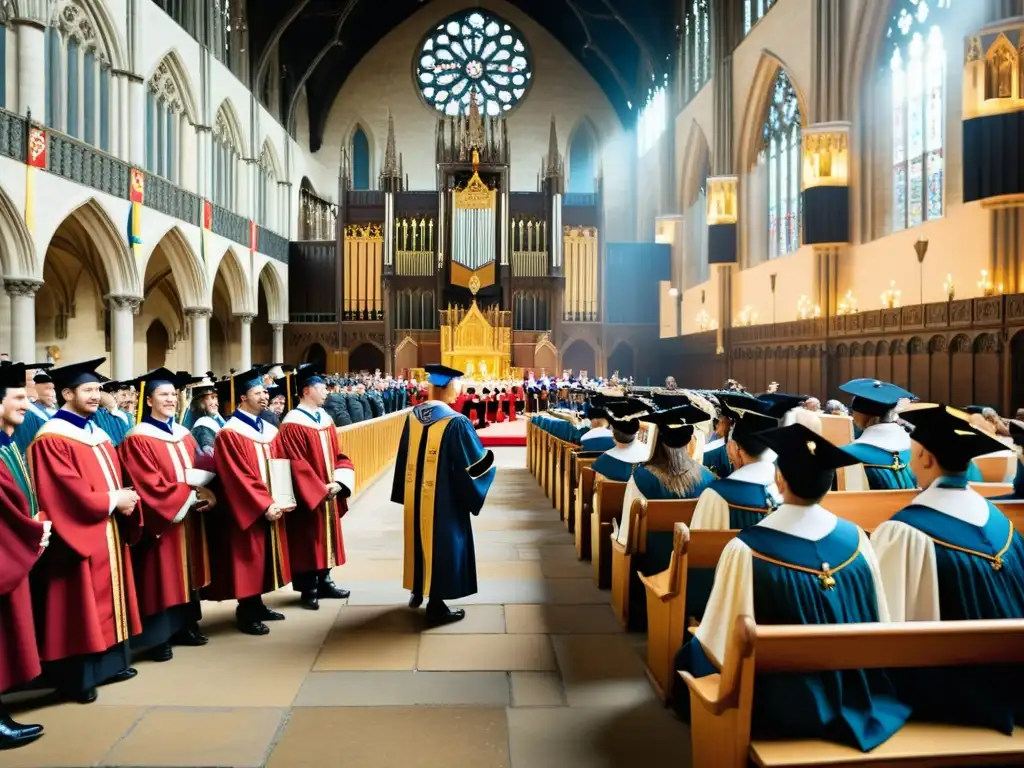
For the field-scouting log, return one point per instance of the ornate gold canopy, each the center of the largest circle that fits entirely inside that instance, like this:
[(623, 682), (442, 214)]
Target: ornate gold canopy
[(478, 343)]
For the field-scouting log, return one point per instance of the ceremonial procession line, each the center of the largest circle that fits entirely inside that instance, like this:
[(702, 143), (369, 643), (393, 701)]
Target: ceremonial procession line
[(538, 674)]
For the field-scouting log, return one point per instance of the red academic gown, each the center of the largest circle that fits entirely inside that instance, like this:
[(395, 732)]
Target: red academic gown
[(171, 557), (513, 399), (86, 598), (249, 554), (502, 399), (314, 527), (20, 537)]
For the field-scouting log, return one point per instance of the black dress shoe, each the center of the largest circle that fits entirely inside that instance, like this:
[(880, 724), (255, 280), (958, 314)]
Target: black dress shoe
[(253, 628), (190, 637), (88, 696), (439, 618), (162, 652), (310, 600), (328, 590), (269, 615), (120, 677), (14, 735), (415, 601)]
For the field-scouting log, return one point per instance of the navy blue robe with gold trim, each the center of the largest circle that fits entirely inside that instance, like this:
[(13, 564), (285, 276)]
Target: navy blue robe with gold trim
[(442, 475), (885, 470)]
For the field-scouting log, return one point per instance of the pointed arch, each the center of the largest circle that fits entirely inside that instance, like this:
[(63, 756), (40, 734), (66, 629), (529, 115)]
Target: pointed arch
[(695, 167), (170, 79), (17, 251), (270, 282), (228, 151), (758, 100), (583, 150), (239, 295), (270, 159), (360, 146), (186, 267), (89, 21), (107, 249), (228, 128)]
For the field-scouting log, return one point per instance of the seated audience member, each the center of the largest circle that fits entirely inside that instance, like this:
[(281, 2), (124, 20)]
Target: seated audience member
[(801, 565), (599, 437), (1017, 435), (617, 463), (671, 473), (951, 555), (835, 408), (749, 493), (716, 457), (812, 404), (883, 446)]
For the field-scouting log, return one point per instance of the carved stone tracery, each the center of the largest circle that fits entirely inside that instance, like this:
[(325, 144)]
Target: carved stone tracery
[(165, 87), (75, 23)]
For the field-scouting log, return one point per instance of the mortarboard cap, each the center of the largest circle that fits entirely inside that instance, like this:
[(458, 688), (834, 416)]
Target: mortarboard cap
[(307, 375), (441, 375), (625, 415), (77, 374), (948, 434), (974, 410), (1016, 432), (807, 461), (276, 390), (675, 425), (779, 404), (666, 400), (873, 397), (12, 376), (746, 430), (243, 382), (40, 377)]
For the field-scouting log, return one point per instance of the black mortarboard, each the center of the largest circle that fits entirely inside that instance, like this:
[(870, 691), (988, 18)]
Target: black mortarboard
[(874, 398), (441, 375), (666, 400), (307, 375), (734, 405), (625, 415), (807, 461), (12, 376), (40, 377), (747, 427), (77, 374), (948, 435), (974, 410), (158, 377), (675, 425), (276, 391), (780, 404), (243, 382), (1016, 432)]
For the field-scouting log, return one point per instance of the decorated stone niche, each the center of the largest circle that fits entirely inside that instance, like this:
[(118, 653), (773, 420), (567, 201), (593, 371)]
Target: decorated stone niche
[(825, 181), (993, 114), (723, 207)]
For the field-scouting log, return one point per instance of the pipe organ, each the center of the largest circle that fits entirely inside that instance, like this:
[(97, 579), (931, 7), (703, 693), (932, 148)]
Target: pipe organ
[(581, 274), (363, 252)]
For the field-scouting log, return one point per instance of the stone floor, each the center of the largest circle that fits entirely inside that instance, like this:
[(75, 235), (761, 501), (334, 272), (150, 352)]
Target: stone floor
[(537, 675)]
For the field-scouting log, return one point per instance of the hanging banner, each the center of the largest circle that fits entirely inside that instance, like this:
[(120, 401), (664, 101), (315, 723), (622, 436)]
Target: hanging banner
[(35, 159), (137, 195)]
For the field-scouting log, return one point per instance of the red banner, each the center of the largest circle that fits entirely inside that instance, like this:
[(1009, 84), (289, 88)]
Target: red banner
[(253, 240), (207, 215), (138, 186), (37, 144)]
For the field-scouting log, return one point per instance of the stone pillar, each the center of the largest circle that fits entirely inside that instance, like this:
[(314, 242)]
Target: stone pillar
[(122, 335), (23, 318), (136, 121), (199, 318), (277, 347), (245, 341), (31, 26)]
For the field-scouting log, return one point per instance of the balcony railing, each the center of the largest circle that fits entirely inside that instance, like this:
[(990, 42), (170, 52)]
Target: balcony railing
[(163, 196), (229, 225), (272, 244), (85, 165), (12, 136)]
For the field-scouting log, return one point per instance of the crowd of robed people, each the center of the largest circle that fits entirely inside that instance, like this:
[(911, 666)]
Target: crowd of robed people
[(760, 465)]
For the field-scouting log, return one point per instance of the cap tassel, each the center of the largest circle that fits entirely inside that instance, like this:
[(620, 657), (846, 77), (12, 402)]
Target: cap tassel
[(141, 403), (288, 390)]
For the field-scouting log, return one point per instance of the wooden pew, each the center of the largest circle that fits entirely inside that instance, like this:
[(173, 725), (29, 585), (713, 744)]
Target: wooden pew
[(607, 506), (721, 704), (988, 490), (530, 445), (666, 591), (582, 510), (995, 469), (579, 462)]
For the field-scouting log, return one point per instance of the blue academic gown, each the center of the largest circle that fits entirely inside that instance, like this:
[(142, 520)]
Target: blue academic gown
[(659, 543), (717, 460), (615, 469), (112, 424), (442, 564), (969, 588), (597, 440), (25, 432), (853, 707), (885, 470)]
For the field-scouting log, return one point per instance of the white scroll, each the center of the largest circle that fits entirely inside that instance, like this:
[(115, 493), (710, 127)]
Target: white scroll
[(281, 489)]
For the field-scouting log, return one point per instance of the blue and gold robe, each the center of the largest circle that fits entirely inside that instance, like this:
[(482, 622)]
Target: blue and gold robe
[(716, 459), (442, 475), (773, 574), (14, 459), (884, 453), (618, 463), (951, 555)]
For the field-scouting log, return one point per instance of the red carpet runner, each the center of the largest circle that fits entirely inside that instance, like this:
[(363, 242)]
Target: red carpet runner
[(504, 435)]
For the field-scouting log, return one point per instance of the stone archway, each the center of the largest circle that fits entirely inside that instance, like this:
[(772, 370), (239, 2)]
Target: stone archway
[(578, 356), (623, 360), (366, 357)]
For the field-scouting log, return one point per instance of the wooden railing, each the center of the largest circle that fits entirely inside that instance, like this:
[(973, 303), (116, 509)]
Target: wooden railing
[(372, 446)]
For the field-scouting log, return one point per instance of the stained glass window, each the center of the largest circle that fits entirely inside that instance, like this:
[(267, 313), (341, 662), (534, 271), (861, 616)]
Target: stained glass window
[(917, 68), (754, 11), (780, 151), (697, 45), (474, 53)]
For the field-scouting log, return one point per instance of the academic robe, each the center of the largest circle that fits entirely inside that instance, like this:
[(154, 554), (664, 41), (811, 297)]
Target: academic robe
[(884, 453), (171, 556), (618, 463), (739, 501), (20, 536), (442, 475), (658, 552), (25, 432), (310, 440), (597, 439), (951, 555), (84, 593), (502, 413), (113, 424), (760, 575), (204, 431), (716, 459), (248, 553)]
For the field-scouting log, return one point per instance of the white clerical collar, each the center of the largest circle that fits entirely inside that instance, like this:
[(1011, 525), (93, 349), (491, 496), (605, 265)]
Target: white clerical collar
[(964, 504), (889, 436), (147, 429), (759, 472), (634, 453), (812, 523)]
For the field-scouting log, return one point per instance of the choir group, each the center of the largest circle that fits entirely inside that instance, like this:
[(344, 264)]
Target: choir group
[(760, 466), (106, 550)]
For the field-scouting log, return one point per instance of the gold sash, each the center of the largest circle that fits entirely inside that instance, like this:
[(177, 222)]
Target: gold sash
[(435, 433)]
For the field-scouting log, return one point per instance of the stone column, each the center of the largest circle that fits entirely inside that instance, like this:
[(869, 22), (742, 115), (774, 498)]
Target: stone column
[(199, 319), (31, 26), (277, 353), (23, 318), (136, 121), (245, 341), (122, 335)]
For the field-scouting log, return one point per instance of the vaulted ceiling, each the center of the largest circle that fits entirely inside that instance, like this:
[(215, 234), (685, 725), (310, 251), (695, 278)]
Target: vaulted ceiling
[(625, 45)]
